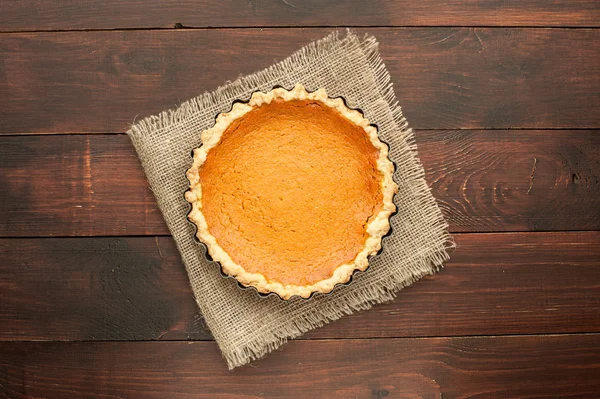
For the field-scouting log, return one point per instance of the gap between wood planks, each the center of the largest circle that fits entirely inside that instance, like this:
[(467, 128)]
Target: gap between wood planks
[(333, 27), (321, 339)]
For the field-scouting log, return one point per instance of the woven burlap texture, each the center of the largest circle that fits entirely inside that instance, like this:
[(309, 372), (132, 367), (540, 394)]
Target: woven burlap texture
[(246, 326)]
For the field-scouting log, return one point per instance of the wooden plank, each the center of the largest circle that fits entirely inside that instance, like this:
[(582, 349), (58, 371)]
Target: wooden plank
[(74, 185), (19, 15), (137, 289), (490, 367), (514, 180), (445, 78), (93, 185)]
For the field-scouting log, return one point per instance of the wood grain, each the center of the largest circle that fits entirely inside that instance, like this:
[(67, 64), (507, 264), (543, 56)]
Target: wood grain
[(514, 180), (20, 15), (137, 289), (93, 185), (86, 82), (490, 367), (80, 185)]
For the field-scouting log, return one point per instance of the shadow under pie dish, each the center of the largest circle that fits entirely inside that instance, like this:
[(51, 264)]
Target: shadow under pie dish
[(291, 192)]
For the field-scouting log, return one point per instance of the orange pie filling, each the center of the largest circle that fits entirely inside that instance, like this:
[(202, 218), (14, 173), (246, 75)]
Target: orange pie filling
[(289, 190)]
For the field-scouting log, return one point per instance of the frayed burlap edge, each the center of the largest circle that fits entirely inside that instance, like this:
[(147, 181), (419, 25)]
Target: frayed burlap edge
[(421, 264)]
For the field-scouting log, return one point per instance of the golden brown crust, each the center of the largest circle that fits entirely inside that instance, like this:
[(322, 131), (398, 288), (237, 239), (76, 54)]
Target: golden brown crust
[(377, 227)]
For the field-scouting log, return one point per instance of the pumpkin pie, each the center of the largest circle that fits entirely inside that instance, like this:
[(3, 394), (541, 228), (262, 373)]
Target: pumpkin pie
[(291, 192)]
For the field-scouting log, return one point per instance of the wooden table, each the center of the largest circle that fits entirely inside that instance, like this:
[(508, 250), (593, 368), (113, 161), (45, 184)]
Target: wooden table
[(505, 100)]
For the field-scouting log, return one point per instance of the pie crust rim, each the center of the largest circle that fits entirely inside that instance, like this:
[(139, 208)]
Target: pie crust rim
[(377, 228)]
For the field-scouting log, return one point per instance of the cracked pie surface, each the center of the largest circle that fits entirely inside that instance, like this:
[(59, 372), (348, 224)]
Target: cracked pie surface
[(291, 192)]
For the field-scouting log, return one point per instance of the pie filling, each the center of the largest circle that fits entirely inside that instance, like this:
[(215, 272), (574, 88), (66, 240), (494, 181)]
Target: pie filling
[(289, 190)]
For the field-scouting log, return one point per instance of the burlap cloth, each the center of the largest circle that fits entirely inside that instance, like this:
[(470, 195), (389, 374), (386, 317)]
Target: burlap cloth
[(246, 326)]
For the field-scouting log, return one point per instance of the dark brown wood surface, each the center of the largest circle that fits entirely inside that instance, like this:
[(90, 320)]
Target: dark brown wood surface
[(94, 299), (28, 15), (509, 180), (445, 78), (137, 289), (475, 367)]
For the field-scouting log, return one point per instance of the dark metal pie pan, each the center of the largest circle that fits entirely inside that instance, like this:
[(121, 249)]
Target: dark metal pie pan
[(273, 294)]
